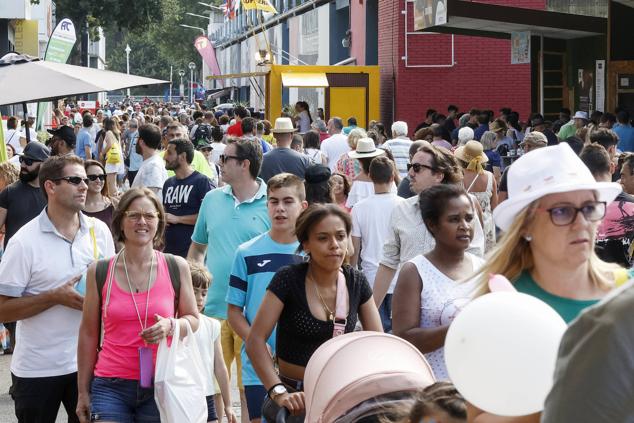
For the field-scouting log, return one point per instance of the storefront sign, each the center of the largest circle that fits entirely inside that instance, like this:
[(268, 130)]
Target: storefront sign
[(429, 13), (600, 85), (520, 47), (26, 37)]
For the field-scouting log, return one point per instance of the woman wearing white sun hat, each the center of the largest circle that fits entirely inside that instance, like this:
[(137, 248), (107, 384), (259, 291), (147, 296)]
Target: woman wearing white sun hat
[(549, 222)]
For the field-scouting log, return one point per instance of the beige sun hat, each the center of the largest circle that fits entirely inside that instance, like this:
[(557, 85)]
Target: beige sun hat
[(283, 125), (471, 150), (548, 170), (365, 148)]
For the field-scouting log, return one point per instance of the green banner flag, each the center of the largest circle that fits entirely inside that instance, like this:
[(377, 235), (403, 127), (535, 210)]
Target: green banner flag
[(58, 50), (3, 147)]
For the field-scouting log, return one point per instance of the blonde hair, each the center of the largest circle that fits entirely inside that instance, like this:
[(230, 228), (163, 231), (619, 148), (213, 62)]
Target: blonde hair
[(512, 256), (354, 136)]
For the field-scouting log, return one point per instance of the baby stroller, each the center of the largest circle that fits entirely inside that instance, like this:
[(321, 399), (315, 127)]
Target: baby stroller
[(359, 376)]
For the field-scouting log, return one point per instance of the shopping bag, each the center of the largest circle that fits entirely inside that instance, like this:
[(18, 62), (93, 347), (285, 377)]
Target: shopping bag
[(178, 380)]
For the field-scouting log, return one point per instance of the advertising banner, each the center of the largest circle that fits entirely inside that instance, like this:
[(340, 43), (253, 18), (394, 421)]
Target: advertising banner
[(520, 47), (208, 53), (58, 50)]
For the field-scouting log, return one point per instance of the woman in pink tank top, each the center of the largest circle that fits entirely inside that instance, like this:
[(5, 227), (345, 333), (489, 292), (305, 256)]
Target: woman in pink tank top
[(138, 311)]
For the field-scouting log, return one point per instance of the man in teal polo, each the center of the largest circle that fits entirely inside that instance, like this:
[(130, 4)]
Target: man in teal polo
[(228, 217)]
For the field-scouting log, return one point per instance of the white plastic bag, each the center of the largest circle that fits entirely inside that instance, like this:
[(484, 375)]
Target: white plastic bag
[(178, 380)]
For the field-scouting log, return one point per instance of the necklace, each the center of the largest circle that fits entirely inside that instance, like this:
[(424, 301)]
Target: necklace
[(147, 298), (329, 313)]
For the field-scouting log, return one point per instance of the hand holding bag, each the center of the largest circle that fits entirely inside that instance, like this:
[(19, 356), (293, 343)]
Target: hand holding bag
[(178, 380)]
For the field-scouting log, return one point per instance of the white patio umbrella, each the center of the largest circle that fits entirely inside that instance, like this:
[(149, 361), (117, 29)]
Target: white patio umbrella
[(25, 79)]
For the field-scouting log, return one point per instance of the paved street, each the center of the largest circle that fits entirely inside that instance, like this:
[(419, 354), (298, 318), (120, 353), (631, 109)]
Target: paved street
[(6, 404)]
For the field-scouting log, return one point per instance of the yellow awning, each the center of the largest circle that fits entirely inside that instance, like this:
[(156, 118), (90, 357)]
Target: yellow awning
[(304, 79)]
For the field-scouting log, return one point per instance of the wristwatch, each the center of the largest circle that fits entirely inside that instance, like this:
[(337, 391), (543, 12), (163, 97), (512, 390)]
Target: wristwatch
[(277, 390)]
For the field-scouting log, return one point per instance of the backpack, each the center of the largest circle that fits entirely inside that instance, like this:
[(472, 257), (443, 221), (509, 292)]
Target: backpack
[(101, 272), (203, 133)]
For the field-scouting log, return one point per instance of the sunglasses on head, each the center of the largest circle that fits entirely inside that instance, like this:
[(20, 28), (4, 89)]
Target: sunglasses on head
[(28, 161), (93, 178)]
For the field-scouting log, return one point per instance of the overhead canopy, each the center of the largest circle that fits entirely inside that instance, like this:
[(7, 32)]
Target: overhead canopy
[(25, 79), (301, 79), (489, 20)]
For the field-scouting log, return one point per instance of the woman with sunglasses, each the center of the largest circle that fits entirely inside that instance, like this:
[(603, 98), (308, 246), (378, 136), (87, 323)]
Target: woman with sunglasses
[(549, 221), (99, 204), (136, 309)]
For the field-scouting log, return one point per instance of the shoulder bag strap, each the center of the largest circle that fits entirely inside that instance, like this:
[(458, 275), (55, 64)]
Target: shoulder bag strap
[(341, 306), (175, 277)]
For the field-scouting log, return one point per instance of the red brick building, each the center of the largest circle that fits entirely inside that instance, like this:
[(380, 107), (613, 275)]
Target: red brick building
[(424, 70)]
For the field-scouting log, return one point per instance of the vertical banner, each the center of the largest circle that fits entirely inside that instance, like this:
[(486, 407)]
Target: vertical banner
[(599, 84), (208, 52), (58, 50), (520, 47)]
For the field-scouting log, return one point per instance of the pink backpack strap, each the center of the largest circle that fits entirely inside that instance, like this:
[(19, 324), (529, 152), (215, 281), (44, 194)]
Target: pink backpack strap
[(341, 307)]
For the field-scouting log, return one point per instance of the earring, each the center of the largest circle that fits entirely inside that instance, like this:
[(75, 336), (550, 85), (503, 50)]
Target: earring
[(528, 238)]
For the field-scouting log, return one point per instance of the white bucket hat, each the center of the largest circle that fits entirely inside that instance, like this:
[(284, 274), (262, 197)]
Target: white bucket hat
[(545, 171), (365, 148)]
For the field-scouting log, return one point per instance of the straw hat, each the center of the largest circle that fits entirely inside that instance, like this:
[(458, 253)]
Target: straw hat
[(471, 150), (365, 148), (283, 125), (545, 171)]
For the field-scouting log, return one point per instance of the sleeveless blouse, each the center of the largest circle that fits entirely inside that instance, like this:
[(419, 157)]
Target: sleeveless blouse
[(441, 300), (484, 198), (119, 356)]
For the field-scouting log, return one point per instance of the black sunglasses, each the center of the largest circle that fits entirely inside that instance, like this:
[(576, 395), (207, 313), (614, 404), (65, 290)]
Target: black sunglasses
[(74, 180), (224, 158), (418, 167), (95, 177), (27, 161)]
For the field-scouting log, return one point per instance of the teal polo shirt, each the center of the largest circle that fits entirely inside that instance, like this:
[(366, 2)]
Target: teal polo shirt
[(223, 224)]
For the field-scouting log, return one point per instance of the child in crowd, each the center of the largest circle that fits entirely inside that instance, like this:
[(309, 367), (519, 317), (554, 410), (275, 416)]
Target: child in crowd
[(440, 402), (208, 339), (255, 263)]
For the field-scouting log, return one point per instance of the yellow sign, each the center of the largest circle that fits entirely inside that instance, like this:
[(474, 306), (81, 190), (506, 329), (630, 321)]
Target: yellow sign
[(26, 40), (264, 5)]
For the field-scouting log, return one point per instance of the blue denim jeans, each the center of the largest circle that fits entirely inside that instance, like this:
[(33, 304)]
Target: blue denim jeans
[(122, 401)]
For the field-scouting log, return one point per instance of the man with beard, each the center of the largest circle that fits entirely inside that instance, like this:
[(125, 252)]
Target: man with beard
[(23, 200), (38, 274), (183, 194), (63, 141)]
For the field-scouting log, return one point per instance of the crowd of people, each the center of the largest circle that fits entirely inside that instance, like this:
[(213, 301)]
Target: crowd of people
[(269, 238)]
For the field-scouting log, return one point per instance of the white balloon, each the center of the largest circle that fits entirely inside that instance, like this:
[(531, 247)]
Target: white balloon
[(501, 351)]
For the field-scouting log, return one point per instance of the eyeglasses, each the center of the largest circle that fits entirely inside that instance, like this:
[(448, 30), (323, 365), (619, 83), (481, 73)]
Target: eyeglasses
[(73, 180), (137, 215), (93, 178), (27, 161), (418, 167), (224, 158), (565, 215)]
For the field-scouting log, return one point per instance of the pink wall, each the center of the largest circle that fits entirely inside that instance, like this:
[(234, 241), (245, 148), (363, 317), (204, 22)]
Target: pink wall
[(357, 26)]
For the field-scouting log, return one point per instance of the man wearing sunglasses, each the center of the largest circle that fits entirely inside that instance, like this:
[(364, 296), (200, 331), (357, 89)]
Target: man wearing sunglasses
[(38, 276), (23, 200)]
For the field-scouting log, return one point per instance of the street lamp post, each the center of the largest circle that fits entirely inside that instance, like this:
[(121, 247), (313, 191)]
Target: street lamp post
[(191, 66), (181, 73), (127, 60)]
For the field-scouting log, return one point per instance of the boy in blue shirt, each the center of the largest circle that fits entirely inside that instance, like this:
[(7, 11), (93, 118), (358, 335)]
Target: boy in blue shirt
[(255, 263)]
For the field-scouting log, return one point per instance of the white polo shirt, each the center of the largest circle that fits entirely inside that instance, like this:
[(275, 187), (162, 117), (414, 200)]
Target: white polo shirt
[(38, 259)]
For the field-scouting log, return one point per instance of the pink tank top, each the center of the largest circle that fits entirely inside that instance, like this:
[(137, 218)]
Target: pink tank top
[(119, 356)]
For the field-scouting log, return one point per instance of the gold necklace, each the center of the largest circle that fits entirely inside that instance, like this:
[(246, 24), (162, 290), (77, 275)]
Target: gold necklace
[(329, 313)]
